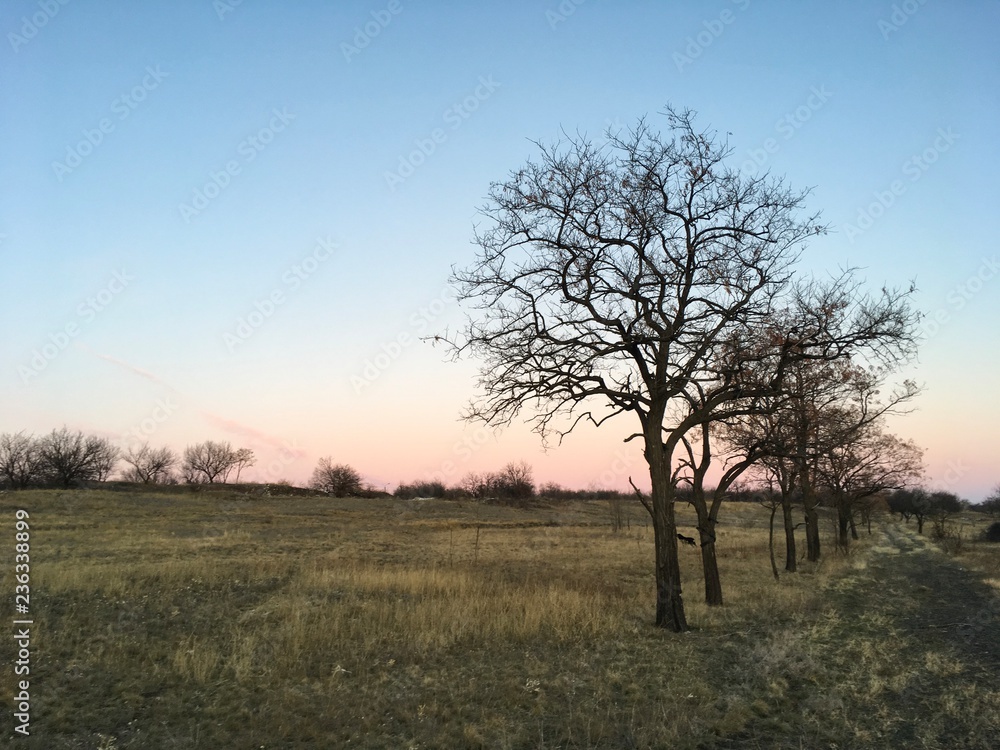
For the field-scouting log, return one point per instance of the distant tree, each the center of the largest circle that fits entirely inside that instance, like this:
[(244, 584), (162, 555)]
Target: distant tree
[(868, 463), (242, 459), (901, 502), (943, 505), (208, 462), (106, 459), (991, 504), (336, 480), (476, 485), (515, 481), (20, 460), (871, 506), (67, 458), (149, 465), (912, 503), (554, 491)]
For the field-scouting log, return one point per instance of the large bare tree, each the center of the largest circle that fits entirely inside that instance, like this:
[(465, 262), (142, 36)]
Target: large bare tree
[(607, 280), (645, 276)]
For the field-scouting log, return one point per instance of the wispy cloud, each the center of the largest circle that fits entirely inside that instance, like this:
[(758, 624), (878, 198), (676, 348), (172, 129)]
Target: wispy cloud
[(227, 425), (127, 366), (234, 427)]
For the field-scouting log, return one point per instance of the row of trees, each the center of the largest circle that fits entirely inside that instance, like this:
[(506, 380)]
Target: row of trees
[(66, 458), (644, 276), (921, 504), (61, 458), (513, 484)]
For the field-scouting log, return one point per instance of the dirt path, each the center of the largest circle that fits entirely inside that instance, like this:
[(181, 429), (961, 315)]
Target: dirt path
[(946, 621), (905, 655)]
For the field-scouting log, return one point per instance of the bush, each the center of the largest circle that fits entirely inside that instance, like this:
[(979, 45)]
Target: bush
[(421, 489), (337, 480), (992, 534)]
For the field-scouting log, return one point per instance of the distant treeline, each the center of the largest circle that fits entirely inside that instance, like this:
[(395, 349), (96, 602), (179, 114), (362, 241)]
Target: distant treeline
[(66, 459)]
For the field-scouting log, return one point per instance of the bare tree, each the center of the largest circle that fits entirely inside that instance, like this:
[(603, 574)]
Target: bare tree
[(20, 460), (243, 459), (475, 485), (870, 462), (991, 504), (609, 276), (149, 465), (67, 458), (648, 277), (911, 503), (515, 481), (208, 462), (769, 433), (771, 500), (106, 459), (337, 480)]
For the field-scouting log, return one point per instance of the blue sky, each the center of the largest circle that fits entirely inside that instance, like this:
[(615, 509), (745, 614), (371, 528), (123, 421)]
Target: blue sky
[(314, 170)]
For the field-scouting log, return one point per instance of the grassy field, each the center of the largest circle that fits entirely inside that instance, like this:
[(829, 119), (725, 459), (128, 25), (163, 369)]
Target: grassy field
[(197, 620)]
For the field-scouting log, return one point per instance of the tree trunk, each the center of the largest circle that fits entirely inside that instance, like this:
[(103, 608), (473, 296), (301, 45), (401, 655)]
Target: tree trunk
[(790, 553), (770, 542), (843, 522), (920, 524), (812, 533), (812, 516), (709, 563), (669, 603), (854, 529)]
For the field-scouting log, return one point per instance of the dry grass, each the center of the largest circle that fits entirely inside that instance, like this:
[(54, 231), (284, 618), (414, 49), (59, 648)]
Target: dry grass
[(191, 621)]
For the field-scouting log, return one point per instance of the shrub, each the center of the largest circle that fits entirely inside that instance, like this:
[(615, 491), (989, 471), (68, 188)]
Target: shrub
[(420, 489), (337, 480)]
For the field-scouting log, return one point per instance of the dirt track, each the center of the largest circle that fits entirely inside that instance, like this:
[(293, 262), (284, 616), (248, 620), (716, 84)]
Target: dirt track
[(907, 655)]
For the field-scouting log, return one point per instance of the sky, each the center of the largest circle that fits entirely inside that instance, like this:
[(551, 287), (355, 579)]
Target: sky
[(235, 220)]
